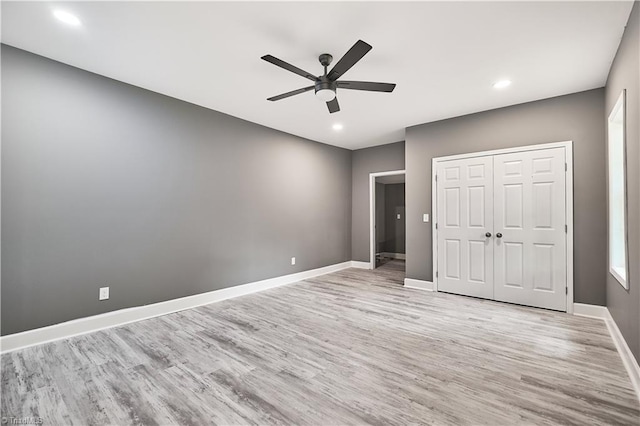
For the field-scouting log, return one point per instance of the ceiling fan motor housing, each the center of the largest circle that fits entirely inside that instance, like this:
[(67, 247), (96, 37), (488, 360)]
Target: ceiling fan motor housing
[(324, 84)]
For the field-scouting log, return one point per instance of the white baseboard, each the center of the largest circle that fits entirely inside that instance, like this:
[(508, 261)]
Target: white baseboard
[(628, 360), (86, 325), (592, 311), (93, 323), (419, 284), (402, 256), (360, 265)]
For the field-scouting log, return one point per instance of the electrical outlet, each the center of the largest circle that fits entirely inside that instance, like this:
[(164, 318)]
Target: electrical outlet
[(293, 260), (104, 293)]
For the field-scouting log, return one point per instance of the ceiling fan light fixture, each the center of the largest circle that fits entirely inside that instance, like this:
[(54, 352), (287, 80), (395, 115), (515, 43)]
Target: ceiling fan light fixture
[(326, 95)]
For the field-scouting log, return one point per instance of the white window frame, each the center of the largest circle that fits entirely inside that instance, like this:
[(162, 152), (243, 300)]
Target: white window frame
[(617, 247)]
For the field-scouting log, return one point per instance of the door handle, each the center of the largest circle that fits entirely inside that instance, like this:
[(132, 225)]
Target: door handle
[(499, 235), (488, 235)]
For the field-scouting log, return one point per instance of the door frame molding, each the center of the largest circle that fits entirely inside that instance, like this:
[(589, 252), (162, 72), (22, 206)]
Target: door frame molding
[(372, 211), (568, 148)]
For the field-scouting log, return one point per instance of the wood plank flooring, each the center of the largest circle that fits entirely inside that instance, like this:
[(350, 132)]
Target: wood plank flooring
[(352, 347)]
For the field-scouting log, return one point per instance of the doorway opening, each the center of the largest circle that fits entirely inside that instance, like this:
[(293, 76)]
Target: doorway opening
[(387, 221)]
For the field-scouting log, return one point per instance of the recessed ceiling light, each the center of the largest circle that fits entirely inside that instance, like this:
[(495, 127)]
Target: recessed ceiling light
[(501, 84), (337, 127), (67, 18)]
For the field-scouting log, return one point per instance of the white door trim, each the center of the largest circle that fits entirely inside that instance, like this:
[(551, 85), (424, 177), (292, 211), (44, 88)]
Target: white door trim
[(372, 212), (568, 146)]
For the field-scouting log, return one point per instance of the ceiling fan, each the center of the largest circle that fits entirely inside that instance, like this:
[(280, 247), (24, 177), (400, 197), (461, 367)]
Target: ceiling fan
[(325, 86)]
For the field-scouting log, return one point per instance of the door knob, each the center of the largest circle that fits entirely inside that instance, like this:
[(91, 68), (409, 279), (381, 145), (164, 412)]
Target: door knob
[(499, 235), (488, 234)]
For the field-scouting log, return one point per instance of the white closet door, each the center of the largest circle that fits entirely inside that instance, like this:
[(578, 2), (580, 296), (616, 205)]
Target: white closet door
[(529, 214), (465, 212)]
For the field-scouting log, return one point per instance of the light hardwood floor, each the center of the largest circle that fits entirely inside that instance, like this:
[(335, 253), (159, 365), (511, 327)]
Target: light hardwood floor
[(352, 347)]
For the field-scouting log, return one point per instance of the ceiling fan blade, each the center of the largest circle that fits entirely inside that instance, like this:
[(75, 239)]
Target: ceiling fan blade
[(367, 85), (349, 59), (289, 67), (292, 93), (333, 105)]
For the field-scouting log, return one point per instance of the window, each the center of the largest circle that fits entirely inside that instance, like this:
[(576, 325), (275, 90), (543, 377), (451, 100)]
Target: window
[(617, 192)]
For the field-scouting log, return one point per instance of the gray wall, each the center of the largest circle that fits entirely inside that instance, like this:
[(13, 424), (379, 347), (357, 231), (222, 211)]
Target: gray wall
[(624, 305), (364, 161), (576, 117), (106, 184), (394, 227)]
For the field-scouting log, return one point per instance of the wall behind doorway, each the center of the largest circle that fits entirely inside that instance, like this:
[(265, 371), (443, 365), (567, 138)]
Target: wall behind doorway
[(381, 210), (394, 226)]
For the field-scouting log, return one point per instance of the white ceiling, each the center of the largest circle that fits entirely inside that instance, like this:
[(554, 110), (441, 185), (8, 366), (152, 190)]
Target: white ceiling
[(444, 57)]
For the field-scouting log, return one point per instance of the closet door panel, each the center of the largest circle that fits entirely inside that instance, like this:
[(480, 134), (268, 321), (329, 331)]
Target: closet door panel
[(529, 222), (464, 211)]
